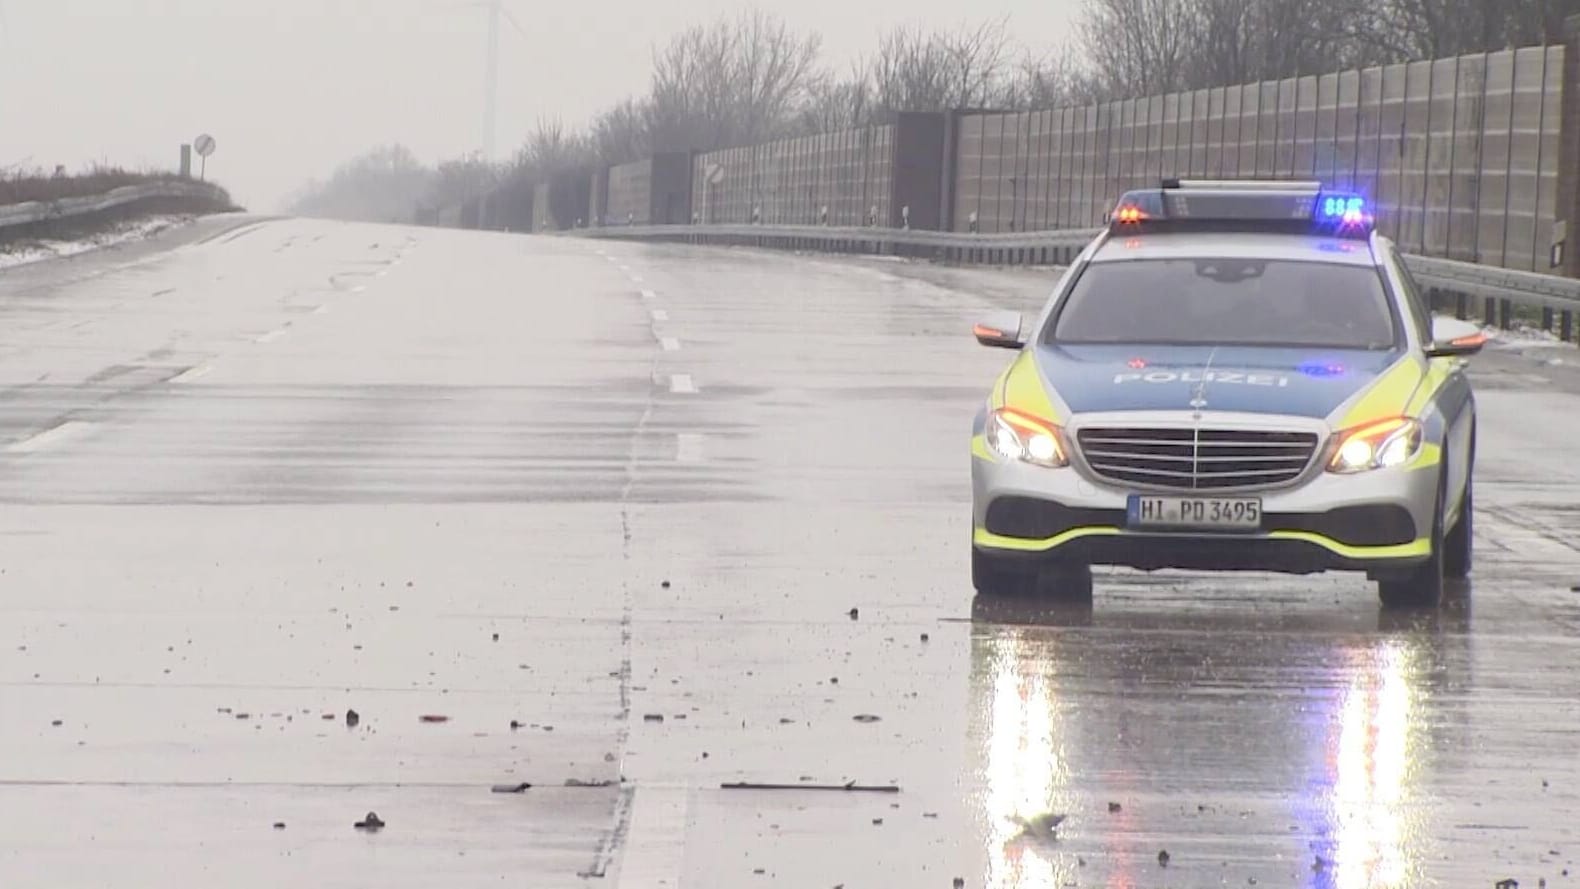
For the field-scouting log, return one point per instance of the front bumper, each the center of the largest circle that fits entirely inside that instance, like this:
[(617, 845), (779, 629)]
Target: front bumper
[(1377, 522)]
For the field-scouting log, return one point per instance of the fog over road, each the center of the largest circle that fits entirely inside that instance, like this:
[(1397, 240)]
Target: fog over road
[(608, 508)]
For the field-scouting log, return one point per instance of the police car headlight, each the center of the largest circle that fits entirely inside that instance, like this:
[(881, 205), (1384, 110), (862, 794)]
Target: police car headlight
[(1377, 445), (1015, 435)]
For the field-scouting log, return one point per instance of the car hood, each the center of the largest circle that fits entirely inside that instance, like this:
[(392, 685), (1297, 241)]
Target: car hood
[(1272, 380)]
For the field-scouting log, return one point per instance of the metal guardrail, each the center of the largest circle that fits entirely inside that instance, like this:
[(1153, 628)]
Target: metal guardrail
[(1491, 282), (1452, 282), (34, 212), (888, 237)]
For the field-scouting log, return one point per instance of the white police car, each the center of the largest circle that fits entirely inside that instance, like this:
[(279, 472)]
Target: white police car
[(1235, 375)]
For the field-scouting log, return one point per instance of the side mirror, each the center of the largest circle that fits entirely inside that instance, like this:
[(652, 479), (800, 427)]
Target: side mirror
[(1000, 330), (1453, 338)]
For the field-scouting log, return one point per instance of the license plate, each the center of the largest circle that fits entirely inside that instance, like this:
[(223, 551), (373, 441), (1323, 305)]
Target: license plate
[(1222, 513)]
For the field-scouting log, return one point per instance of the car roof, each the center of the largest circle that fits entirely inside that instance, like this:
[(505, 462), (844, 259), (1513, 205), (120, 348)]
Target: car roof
[(1235, 245)]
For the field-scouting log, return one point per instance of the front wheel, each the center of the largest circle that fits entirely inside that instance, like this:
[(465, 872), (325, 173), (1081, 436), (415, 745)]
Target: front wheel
[(998, 576), (1459, 544)]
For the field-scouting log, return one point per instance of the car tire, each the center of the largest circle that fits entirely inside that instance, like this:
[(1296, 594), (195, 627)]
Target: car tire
[(1423, 586), (1459, 544), (1064, 583), (1000, 577)]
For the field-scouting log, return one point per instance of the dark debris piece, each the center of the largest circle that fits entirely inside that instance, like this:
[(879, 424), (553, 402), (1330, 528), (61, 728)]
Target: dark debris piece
[(1163, 858), (371, 823), (352, 719), (852, 787), (866, 717), (279, 825), (854, 613), (523, 787), (1114, 808)]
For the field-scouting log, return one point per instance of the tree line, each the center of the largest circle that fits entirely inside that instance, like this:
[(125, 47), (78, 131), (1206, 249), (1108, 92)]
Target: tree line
[(750, 77)]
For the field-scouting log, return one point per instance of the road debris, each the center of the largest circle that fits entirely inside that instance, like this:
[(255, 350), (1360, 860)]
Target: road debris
[(279, 825), (433, 717), (372, 823), (1163, 858), (511, 788), (866, 717), (852, 787), (653, 717), (1114, 808), (854, 613), (352, 719)]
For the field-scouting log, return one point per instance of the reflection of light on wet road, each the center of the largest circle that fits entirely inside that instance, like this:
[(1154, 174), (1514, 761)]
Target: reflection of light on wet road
[(1372, 762), (1024, 765)]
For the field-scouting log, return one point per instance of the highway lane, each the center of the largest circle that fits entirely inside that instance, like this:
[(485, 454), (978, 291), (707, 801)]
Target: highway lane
[(292, 468)]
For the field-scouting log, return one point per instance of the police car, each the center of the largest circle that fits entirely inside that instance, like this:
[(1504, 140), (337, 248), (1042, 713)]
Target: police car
[(1234, 375)]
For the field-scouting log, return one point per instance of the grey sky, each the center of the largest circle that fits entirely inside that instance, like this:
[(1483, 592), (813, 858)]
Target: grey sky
[(290, 88)]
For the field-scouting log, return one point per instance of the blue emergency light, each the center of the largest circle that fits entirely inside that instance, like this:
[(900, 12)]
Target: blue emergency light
[(1243, 205)]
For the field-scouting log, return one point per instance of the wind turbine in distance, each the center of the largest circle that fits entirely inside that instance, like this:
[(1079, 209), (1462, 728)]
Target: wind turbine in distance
[(496, 11)]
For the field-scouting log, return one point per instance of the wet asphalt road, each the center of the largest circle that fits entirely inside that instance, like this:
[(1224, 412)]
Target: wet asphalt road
[(261, 473)]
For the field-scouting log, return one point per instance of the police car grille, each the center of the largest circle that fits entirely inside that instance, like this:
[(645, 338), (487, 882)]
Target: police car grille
[(1190, 459)]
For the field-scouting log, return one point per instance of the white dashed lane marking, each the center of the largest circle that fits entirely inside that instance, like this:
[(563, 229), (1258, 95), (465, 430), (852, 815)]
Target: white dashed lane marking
[(660, 315), (50, 437), (670, 344), (192, 373), (271, 336), (681, 384), (649, 294), (688, 448)]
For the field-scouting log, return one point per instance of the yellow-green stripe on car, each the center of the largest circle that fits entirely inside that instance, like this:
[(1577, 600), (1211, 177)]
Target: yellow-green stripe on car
[(1387, 396), (1021, 388), (1413, 550)]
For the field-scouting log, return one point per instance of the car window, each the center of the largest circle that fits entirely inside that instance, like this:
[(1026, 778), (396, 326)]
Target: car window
[(1227, 301)]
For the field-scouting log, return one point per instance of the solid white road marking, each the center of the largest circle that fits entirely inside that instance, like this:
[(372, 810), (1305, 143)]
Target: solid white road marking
[(660, 315), (50, 437), (681, 384), (271, 336), (192, 373), (670, 344), (655, 841)]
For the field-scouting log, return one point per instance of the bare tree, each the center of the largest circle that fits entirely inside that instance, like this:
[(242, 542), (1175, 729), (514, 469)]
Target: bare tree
[(620, 134), (961, 67), (382, 185), (773, 69), (837, 104), (1139, 47), (736, 81), (1052, 81)]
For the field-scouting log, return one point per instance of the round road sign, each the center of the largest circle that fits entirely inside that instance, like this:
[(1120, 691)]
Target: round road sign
[(203, 145)]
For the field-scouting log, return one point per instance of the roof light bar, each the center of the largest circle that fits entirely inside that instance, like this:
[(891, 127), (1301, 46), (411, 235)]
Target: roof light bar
[(1248, 205)]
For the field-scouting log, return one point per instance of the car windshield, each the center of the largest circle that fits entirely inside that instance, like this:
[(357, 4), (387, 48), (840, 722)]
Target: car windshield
[(1227, 301)]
